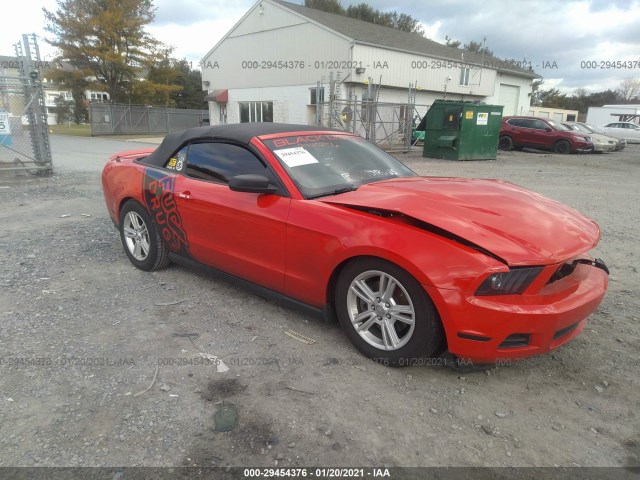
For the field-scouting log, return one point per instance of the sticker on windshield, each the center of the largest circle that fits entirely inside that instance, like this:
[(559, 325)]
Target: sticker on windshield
[(295, 157)]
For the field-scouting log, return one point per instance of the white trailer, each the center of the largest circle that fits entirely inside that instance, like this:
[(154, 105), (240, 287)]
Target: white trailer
[(598, 116)]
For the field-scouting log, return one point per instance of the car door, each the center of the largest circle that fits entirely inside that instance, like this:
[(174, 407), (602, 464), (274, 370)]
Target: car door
[(632, 132), (241, 233), (518, 131)]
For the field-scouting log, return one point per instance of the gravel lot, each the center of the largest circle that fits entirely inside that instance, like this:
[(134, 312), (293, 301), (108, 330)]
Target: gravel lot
[(83, 335)]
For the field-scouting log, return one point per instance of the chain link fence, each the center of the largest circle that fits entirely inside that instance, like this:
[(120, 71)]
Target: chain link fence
[(24, 133), (118, 119), (388, 125)]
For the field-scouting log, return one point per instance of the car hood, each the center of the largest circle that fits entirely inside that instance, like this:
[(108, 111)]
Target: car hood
[(600, 138), (518, 226)]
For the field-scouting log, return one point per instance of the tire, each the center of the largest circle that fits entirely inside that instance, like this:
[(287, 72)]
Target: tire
[(141, 240), (505, 143), (415, 332), (562, 147)]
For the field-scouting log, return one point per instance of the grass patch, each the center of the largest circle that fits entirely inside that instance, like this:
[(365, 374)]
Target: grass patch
[(73, 129)]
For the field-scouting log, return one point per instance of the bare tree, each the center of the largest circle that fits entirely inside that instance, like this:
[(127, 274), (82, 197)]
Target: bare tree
[(629, 89)]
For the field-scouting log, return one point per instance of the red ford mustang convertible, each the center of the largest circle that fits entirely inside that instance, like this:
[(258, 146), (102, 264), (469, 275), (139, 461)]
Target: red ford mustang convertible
[(323, 219)]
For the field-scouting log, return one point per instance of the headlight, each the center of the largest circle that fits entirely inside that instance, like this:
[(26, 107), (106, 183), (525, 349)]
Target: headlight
[(509, 283)]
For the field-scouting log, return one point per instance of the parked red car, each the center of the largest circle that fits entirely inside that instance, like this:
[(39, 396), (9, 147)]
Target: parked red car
[(324, 219), (543, 134)]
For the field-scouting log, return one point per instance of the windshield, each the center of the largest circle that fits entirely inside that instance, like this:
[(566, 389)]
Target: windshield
[(557, 126), (589, 128), (328, 164), (578, 127)]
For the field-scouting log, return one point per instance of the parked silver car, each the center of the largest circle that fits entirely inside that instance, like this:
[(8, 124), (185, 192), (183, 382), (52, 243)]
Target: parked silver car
[(601, 141), (627, 130)]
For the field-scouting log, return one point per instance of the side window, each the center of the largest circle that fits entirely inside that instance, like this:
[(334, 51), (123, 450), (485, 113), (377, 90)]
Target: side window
[(178, 161), (527, 123), (538, 125), (218, 162), (515, 122)]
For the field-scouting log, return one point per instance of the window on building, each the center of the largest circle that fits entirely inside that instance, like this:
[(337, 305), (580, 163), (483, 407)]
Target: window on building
[(218, 162), (464, 76), (256, 112), (317, 95)]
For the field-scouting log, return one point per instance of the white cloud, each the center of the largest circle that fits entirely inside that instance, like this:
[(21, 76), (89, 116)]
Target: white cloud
[(565, 31)]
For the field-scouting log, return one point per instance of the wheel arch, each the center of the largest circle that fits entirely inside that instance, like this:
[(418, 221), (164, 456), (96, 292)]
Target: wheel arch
[(411, 269), (124, 200), (408, 267)]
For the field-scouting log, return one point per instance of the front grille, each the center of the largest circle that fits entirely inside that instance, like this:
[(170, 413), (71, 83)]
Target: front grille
[(565, 330), (516, 340), (564, 270)]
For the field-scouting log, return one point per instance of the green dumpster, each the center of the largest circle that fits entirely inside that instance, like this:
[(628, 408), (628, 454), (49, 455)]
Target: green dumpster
[(462, 130)]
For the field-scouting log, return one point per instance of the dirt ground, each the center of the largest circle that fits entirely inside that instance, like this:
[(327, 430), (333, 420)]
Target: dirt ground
[(83, 335)]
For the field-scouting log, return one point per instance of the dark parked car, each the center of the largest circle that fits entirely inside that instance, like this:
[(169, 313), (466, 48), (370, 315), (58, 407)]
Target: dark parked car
[(542, 133)]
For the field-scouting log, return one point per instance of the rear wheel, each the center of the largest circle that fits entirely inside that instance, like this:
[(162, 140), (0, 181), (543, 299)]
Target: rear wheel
[(562, 146), (505, 143), (386, 313), (141, 240)]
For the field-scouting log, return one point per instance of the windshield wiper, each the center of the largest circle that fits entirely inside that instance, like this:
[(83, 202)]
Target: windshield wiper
[(346, 188)]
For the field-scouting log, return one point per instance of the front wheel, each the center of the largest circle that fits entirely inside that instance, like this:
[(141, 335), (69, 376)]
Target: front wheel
[(386, 313), (141, 240), (562, 147)]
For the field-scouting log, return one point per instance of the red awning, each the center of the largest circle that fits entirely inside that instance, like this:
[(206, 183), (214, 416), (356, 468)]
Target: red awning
[(218, 96)]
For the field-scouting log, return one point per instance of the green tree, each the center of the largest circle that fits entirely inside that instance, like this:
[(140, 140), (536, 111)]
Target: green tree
[(535, 92), (477, 47), (331, 6), (552, 98), (191, 95), (399, 21), (450, 42), (405, 23), (365, 12), (106, 39)]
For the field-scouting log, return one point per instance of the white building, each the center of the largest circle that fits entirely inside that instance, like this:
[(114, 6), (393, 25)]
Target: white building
[(557, 114), (613, 113), (267, 67)]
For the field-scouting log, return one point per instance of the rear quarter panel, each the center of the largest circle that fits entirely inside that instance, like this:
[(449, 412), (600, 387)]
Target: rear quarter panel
[(121, 180)]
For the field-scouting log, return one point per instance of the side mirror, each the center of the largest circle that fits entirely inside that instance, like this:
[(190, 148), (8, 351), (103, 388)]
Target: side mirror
[(251, 184), (548, 129)]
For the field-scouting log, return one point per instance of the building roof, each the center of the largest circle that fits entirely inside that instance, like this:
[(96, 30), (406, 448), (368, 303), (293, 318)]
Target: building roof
[(378, 35)]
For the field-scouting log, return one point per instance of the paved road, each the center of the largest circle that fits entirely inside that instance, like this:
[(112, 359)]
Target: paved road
[(88, 154)]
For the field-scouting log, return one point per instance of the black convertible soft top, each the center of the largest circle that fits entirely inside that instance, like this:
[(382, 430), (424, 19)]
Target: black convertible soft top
[(240, 132)]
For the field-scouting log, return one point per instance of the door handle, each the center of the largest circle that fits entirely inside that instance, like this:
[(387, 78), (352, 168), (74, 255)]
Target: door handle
[(186, 195)]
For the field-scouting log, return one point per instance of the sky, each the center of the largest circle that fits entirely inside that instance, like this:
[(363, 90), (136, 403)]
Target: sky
[(570, 43)]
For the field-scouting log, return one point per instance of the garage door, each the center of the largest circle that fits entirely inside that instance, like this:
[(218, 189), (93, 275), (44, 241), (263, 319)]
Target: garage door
[(509, 98)]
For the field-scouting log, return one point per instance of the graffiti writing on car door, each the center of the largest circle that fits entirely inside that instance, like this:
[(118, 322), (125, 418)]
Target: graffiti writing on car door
[(158, 196)]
